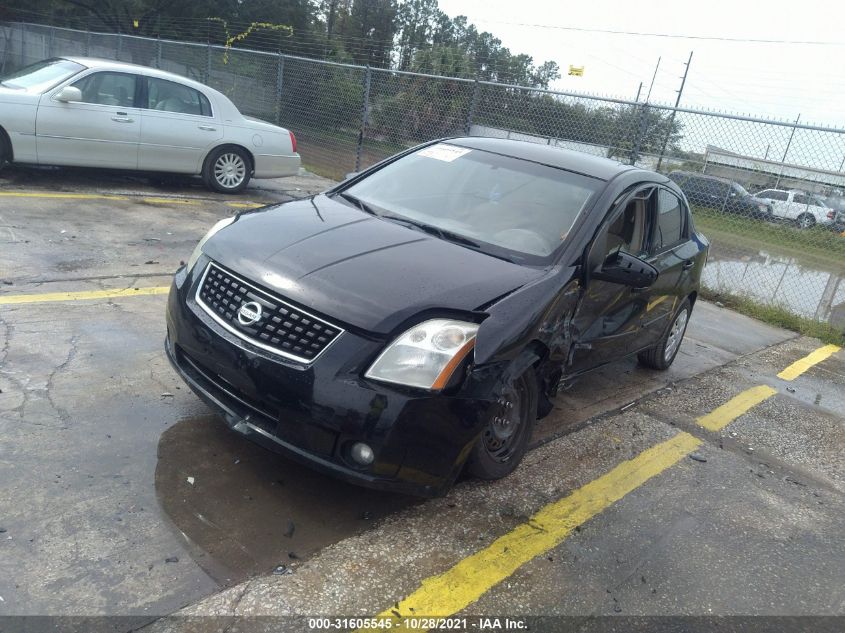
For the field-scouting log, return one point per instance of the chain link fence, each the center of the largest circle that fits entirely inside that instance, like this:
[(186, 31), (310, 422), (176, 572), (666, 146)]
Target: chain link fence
[(769, 194)]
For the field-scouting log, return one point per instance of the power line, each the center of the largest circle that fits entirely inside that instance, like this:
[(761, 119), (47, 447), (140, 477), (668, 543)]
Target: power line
[(715, 38)]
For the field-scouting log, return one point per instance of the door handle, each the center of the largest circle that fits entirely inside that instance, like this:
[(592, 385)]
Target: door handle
[(122, 119), (688, 264), (207, 128)]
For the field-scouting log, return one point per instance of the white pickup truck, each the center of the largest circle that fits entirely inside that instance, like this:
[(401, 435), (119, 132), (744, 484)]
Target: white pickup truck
[(805, 209)]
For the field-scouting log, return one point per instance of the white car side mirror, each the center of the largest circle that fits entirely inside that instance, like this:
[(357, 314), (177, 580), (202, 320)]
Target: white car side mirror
[(69, 93)]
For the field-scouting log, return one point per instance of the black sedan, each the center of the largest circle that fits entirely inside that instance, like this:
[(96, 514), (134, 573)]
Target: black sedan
[(721, 194), (416, 319)]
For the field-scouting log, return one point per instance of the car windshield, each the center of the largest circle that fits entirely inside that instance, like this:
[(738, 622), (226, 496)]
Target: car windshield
[(504, 206), (41, 76)]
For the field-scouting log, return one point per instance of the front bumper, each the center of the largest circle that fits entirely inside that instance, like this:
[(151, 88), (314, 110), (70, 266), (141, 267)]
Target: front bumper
[(315, 412)]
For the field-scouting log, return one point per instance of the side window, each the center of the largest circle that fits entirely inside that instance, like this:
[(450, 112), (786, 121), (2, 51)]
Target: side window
[(800, 198), (671, 220), (111, 89), (169, 96), (627, 231), (718, 189), (771, 194)]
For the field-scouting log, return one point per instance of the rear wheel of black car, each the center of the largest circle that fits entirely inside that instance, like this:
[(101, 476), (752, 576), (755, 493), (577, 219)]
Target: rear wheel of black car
[(663, 354), (504, 441)]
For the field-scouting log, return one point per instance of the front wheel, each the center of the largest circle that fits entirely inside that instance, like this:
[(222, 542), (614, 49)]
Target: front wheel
[(227, 170), (663, 354), (806, 221), (504, 440)]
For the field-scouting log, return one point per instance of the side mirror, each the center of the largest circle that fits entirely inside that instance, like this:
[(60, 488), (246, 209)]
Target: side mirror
[(69, 93), (624, 268)]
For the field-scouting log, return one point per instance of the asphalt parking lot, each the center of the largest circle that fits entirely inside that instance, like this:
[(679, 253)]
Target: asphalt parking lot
[(716, 488)]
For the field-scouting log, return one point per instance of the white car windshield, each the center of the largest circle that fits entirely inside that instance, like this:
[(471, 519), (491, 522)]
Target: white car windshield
[(41, 76), (501, 205)]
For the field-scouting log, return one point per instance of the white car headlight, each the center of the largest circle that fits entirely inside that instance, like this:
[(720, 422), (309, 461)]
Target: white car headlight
[(198, 250), (426, 355)]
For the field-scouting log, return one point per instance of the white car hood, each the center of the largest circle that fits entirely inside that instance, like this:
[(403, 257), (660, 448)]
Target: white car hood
[(11, 95)]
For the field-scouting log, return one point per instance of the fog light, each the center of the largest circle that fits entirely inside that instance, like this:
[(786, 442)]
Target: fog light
[(362, 453)]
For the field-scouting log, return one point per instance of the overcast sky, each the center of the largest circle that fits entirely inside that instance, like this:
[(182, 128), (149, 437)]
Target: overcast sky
[(779, 80)]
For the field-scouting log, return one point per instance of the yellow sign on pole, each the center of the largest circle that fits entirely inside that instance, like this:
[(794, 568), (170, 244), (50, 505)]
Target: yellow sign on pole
[(576, 71)]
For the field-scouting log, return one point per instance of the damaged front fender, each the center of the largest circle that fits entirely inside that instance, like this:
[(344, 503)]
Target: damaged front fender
[(540, 311)]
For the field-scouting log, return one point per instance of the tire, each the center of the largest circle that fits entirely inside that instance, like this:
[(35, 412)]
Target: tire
[(5, 154), (504, 440), (227, 169), (663, 354), (806, 221)]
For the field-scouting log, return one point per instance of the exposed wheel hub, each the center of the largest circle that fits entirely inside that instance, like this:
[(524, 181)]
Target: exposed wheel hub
[(505, 425)]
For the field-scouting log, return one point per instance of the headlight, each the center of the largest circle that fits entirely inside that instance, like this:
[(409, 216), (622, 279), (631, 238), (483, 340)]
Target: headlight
[(198, 250), (426, 355)]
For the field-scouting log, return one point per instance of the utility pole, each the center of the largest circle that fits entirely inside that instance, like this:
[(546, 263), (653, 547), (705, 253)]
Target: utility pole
[(639, 90), (786, 151), (672, 117), (653, 77)]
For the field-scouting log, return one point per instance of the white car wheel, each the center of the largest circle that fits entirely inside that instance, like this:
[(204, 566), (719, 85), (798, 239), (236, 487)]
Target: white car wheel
[(806, 221), (227, 170)]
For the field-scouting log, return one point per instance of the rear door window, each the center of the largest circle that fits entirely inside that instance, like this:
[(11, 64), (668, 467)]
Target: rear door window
[(169, 96), (771, 194)]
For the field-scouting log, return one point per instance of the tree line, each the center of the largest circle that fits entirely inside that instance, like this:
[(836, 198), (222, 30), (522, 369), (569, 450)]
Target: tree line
[(402, 35)]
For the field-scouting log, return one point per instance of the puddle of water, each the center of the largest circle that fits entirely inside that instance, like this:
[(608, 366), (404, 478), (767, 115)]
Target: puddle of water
[(236, 515), (777, 280)]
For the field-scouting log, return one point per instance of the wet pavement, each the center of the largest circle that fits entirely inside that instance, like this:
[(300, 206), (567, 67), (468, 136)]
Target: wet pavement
[(110, 467), (245, 510)]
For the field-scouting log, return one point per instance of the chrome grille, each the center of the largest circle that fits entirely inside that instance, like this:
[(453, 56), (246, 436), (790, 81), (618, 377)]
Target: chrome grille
[(282, 328)]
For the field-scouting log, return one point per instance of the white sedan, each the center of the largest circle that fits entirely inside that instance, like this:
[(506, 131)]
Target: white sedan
[(98, 113)]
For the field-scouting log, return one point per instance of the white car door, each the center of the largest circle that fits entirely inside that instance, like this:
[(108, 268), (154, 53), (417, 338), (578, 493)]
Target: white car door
[(102, 130), (779, 200), (178, 128)]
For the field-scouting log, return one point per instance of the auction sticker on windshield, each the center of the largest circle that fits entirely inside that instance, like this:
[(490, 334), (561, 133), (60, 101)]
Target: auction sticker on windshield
[(446, 153)]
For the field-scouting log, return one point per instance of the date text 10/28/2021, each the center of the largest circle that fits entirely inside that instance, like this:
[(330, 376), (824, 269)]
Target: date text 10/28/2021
[(457, 624)]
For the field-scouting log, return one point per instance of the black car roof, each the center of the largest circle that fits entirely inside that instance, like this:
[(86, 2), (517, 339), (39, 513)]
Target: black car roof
[(602, 168), (694, 174)]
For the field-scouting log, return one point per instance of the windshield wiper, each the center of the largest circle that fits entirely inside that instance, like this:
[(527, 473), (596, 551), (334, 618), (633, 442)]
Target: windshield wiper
[(434, 230), (358, 203)]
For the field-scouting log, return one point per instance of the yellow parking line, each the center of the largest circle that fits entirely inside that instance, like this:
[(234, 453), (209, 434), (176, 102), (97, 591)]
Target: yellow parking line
[(814, 358), (448, 593), (103, 196), (720, 417), (83, 295), (466, 582)]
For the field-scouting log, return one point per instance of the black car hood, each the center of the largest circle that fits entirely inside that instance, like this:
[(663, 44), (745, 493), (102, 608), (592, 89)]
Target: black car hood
[(357, 269)]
